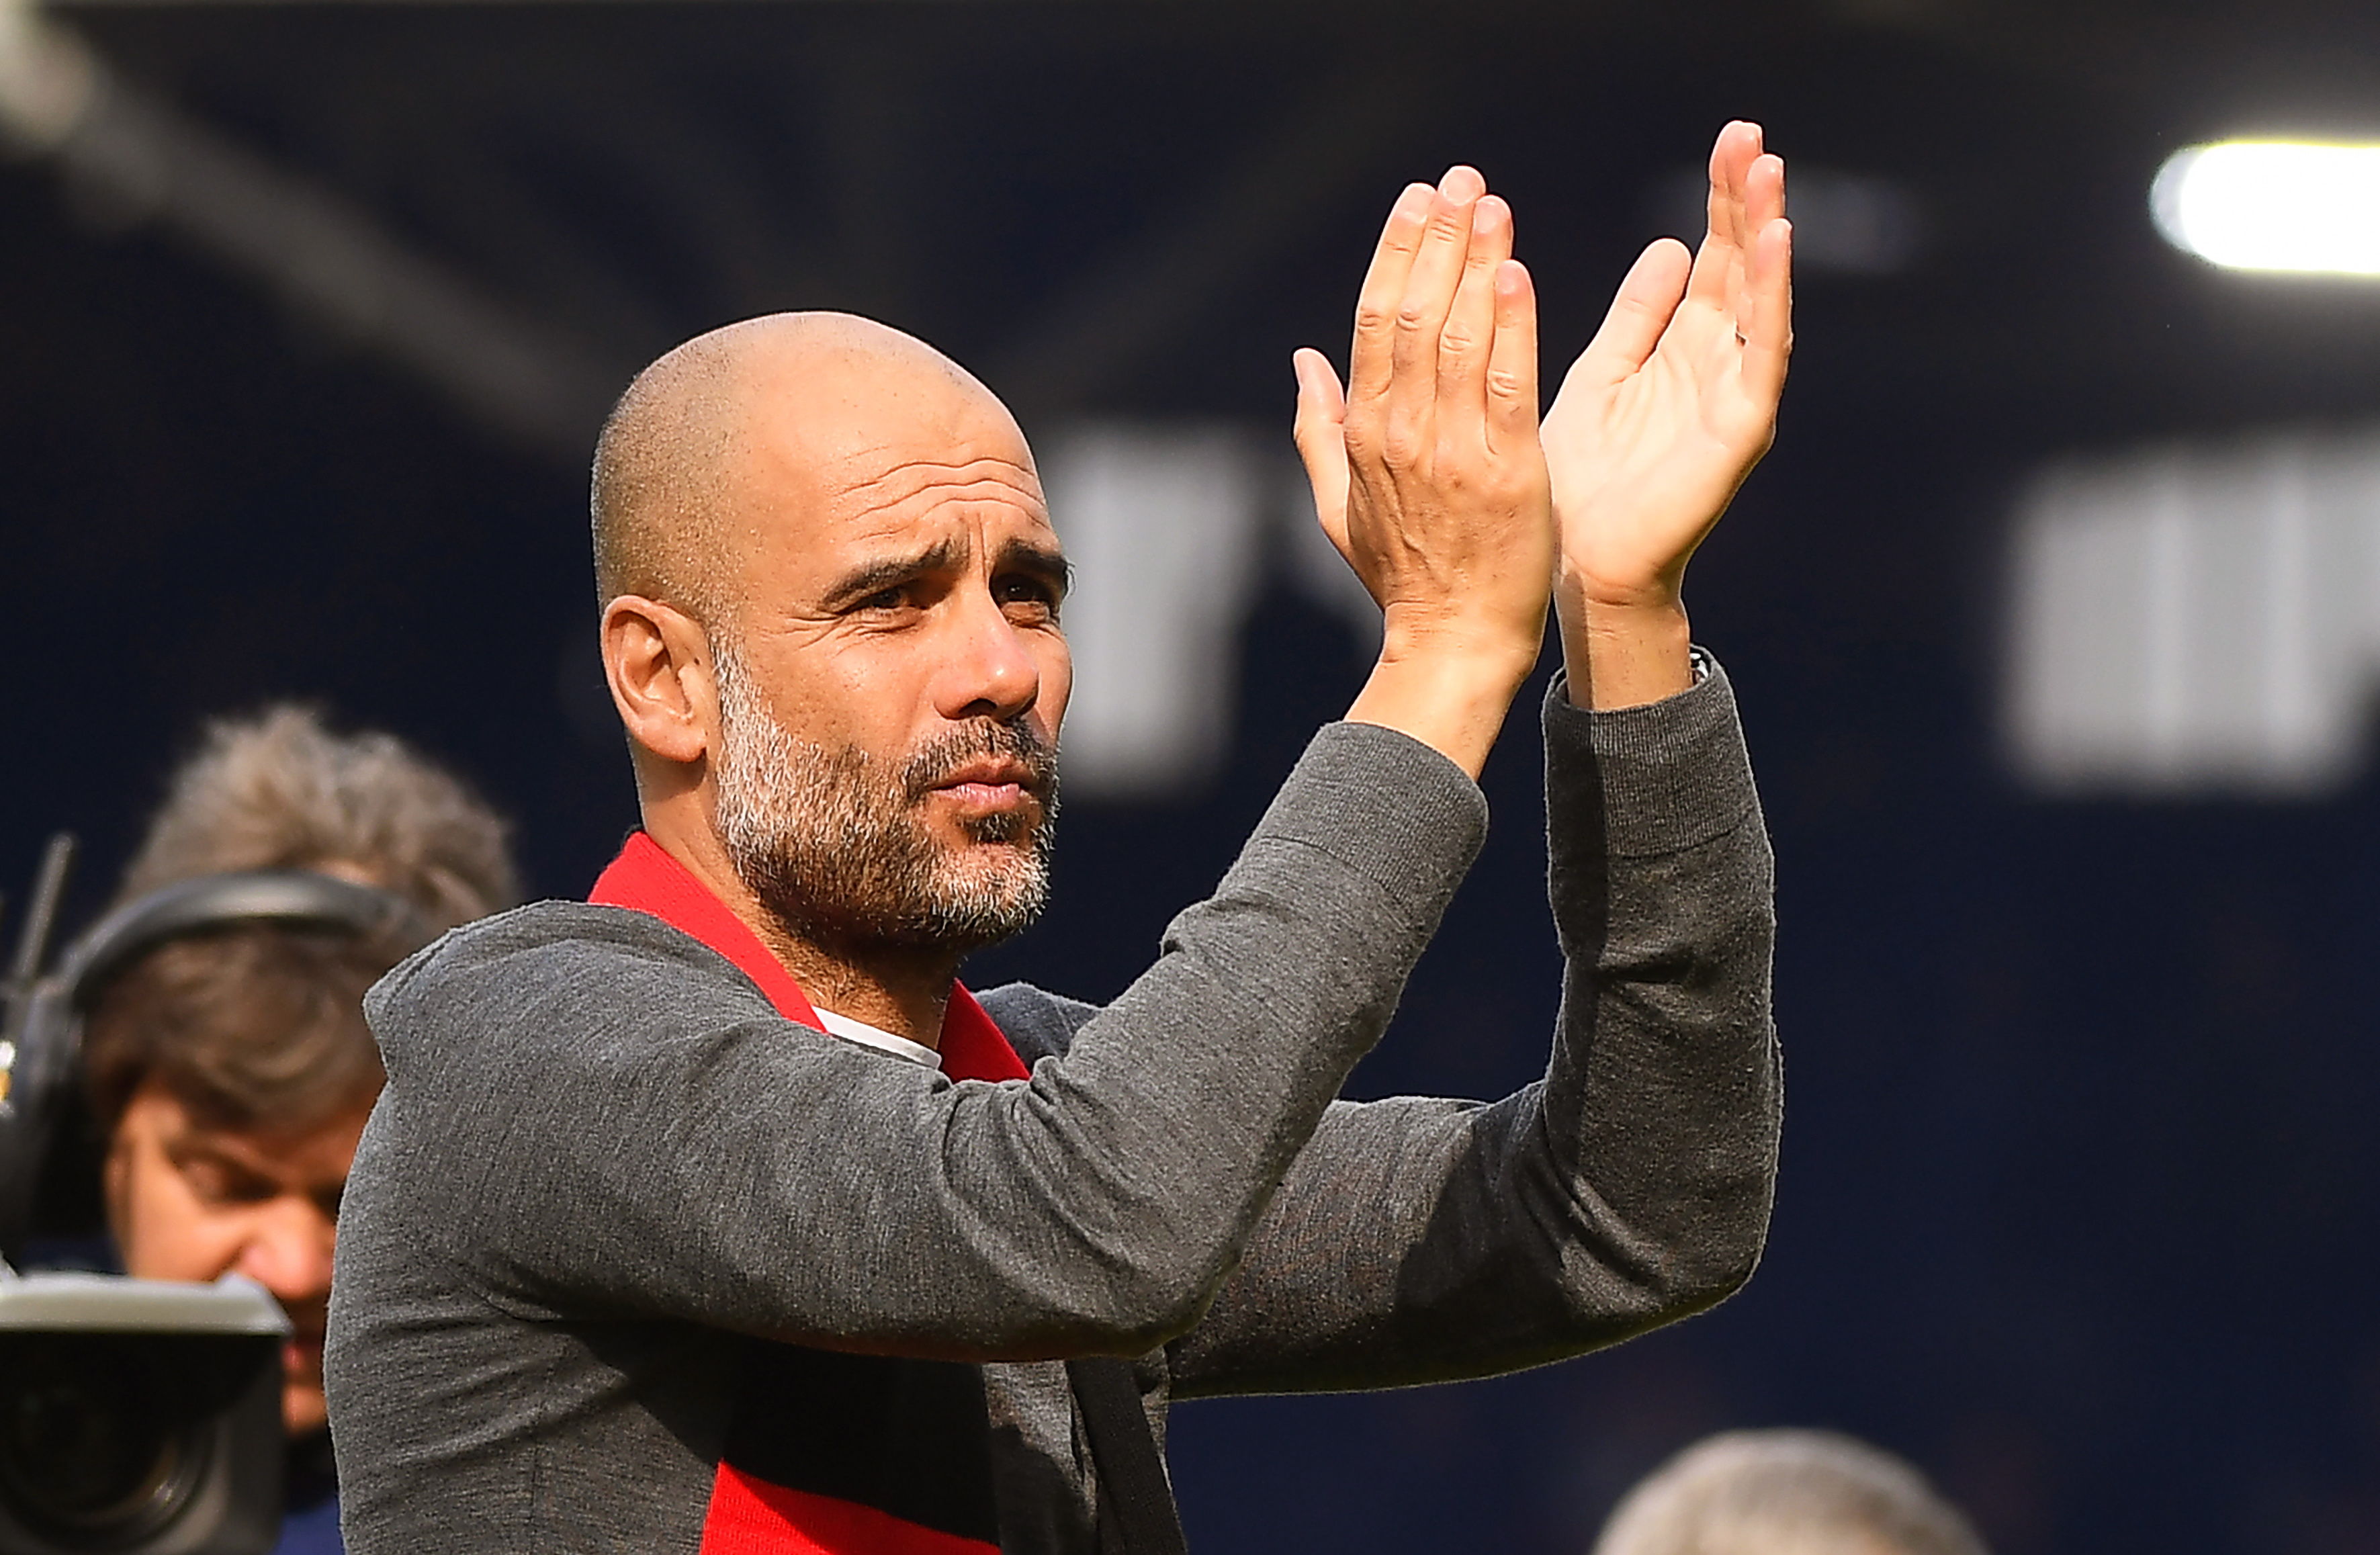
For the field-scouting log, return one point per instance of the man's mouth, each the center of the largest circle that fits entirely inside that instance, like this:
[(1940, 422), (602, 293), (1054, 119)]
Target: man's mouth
[(987, 784)]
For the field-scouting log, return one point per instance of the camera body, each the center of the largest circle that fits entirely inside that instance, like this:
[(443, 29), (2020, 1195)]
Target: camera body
[(139, 1415)]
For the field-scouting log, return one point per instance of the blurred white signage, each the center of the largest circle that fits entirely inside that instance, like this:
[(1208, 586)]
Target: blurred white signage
[(2198, 619), (1174, 530)]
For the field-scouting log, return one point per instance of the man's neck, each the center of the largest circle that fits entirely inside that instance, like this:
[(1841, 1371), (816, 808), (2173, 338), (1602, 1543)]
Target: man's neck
[(905, 991), (901, 990)]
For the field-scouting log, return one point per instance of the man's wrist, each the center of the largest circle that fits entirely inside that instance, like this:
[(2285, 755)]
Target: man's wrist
[(1451, 698), (1474, 647), (1626, 655)]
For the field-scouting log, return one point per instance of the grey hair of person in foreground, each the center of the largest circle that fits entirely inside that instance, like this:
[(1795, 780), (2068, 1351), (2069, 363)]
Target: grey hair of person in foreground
[(1786, 1493)]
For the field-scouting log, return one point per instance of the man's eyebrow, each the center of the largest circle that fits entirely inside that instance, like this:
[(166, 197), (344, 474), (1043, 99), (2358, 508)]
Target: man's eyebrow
[(1045, 562), (194, 1150), (872, 577)]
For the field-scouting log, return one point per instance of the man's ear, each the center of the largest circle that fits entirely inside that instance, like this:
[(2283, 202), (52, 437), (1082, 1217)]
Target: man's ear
[(658, 662)]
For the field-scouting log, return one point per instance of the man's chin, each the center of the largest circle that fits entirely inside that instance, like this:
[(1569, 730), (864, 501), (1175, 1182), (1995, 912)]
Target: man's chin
[(990, 892), (1002, 871), (958, 822)]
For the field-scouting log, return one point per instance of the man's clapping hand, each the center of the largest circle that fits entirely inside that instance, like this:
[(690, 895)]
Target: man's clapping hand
[(1659, 422), (1429, 472)]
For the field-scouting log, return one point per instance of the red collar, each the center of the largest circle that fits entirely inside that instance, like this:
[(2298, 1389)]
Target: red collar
[(646, 879)]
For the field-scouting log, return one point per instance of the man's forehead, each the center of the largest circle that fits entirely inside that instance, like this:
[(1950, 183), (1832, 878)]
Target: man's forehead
[(891, 496), (854, 446), (307, 1165), (317, 1149), (891, 485), (877, 420)]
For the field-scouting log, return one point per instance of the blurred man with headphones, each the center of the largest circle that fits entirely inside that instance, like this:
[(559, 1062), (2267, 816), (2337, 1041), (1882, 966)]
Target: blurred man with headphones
[(224, 1057)]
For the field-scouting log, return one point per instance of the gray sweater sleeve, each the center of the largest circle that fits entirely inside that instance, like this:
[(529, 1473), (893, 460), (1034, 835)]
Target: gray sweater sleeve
[(607, 1121), (1420, 1240)]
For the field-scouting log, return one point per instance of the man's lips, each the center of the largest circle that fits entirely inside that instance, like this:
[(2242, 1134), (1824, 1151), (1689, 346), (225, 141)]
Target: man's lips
[(988, 784)]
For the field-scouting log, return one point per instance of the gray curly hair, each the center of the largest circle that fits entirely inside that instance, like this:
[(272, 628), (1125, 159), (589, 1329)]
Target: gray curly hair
[(279, 791), (258, 1026), (1786, 1493)]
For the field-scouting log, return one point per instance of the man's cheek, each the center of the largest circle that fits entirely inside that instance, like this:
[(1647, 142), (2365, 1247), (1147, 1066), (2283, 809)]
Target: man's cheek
[(159, 1240), (166, 1250)]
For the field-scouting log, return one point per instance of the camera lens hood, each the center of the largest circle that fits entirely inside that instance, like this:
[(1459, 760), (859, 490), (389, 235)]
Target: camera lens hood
[(137, 1417)]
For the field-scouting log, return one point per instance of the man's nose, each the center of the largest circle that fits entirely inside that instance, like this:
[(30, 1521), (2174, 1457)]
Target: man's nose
[(989, 673), (289, 1249)]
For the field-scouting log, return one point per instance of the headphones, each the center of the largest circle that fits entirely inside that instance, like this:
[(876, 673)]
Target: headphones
[(42, 1159)]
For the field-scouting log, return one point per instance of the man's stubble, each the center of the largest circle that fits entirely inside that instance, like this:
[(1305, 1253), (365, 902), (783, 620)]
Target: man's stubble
[(834, 842)]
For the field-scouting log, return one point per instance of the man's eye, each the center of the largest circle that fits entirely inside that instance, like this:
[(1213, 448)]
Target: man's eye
[(216, 1184), (885, 599), (205, 1181), (1032, 593)]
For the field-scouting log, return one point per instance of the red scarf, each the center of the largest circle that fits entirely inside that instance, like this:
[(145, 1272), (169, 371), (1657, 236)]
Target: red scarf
[(758, 1506), (648, 880)]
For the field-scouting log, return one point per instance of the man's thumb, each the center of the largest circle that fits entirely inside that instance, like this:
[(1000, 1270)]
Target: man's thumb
[(1321, 438)]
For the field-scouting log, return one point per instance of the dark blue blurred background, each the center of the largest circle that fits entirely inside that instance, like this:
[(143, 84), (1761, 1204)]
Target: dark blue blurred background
[(2078, 1199)]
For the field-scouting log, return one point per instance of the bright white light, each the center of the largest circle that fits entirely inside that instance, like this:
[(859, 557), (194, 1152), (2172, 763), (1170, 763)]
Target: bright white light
[(2273, 205), (2199, 619)]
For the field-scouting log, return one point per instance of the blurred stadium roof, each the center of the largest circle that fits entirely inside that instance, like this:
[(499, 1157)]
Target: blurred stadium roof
[(522, 201)]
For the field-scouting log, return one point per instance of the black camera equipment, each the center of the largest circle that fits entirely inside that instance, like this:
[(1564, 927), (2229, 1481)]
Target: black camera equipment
[(139, 1415), (137, 1418)]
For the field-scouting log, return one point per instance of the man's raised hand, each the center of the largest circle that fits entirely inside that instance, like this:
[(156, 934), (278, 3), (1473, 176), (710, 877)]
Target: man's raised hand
[(1659, 420), (1428, 473)]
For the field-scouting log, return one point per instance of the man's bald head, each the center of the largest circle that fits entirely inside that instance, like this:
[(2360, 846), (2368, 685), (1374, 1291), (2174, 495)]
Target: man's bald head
[(830, 599), (675, 465)]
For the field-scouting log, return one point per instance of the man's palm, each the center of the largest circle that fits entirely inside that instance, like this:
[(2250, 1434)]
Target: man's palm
[(1675, 399)]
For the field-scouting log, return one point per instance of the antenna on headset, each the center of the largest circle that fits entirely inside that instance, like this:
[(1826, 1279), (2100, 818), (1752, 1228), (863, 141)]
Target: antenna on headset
[(32, 944)]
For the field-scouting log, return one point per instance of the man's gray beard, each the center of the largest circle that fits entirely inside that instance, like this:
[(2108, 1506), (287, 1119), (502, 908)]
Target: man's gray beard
[(836, 846)]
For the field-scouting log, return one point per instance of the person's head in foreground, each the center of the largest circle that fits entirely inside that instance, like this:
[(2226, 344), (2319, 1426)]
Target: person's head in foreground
[(230, 1071), (1786, 1493), (830, 625)]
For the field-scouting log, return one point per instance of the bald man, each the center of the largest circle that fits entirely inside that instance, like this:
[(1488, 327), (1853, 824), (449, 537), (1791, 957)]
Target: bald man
[(713, 1214)]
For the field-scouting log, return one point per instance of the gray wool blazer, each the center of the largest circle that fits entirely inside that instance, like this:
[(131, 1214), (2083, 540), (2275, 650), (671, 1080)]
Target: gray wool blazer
[(603, 1165)]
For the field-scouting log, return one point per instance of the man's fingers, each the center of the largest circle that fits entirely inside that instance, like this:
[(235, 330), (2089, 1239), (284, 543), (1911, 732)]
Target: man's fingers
[(1647, 300), (1720, 218), (1749, 144), (1512, 359), (1718, 262), (1321, 437), (1384, 288), (1468, 338), (1764, 205), (1769, 321), (1431, 286), (1764, 194)]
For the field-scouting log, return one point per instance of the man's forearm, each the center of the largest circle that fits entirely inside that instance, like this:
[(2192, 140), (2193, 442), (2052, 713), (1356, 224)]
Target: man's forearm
[(1663, 1100), (1422, 1240), (813, 1191)]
